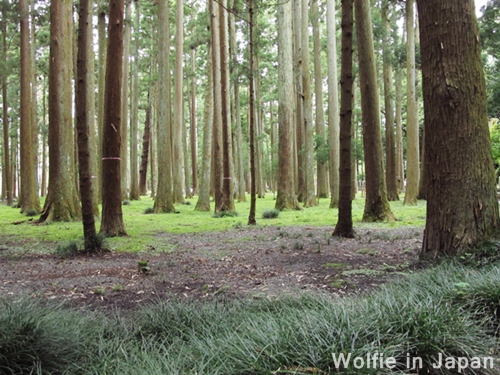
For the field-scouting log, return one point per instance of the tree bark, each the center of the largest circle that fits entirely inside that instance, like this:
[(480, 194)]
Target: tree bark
[(333, 104), (62, 203), (344, 228), (7, 169), (286, 199), (177, 156), (203, 203), (28, 196), (125, 101), (194, 125), (101, 27), (412, 131), (134, 112), (390, 148), (308, 165), (83, 127), (321, 167), (462, 205), (251, 110), (376, 204), (400, 177), (112, 217), (164, 194), (299, 92)]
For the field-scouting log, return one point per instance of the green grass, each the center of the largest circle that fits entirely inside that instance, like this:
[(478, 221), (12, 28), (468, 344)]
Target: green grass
[(446, 310), (142, 227)]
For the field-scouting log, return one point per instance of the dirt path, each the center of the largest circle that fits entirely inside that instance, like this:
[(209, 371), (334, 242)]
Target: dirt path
[(259, 262)]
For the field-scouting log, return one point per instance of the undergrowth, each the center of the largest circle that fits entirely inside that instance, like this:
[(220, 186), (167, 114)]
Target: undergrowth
[(449, 310)]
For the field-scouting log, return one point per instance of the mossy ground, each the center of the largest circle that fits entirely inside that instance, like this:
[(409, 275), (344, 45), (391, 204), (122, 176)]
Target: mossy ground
[(142, 227)]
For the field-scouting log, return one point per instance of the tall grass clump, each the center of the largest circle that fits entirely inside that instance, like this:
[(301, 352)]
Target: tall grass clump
[(36, 339), (271, 214)]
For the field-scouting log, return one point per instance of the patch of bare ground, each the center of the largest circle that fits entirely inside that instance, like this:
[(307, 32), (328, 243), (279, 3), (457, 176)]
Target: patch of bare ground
[(249, 261)]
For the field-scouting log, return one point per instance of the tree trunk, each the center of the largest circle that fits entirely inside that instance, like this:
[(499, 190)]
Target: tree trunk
[(177, 156), (134, 112), (308, 164), (462, 205), (112, 217), (251, 122), (164, 194), (203, 203), (83, 126), (101, 27), (344, 223), (322, 181), (125, 100), (62, 203), (299, 92), (286, 198), (28, 196), (7, 169), (412, 132), (400, 177), (390, 152), (333, 104), (34, 95), (143, 171), (376, 205), (194, 125)]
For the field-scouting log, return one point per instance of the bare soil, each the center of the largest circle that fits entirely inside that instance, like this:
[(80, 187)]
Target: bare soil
[(256, 262)]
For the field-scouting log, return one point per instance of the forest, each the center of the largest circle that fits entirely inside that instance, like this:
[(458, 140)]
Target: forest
[(249, 187)]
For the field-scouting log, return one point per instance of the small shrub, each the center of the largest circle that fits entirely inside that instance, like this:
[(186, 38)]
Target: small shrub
[(149, 210), (221, 214), (298, 246), (126, 202), (31, 213), (271, 214), (68, 249)]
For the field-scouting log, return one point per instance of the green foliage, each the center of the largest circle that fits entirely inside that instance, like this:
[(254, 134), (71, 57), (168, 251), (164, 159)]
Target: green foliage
[(126, 202), (67, 250), (31, 213), (271, 214), (149, 210), (221, 214), (321, 149)]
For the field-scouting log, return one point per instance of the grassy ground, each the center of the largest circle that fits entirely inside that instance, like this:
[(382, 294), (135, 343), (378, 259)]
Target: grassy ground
[(140, 226)]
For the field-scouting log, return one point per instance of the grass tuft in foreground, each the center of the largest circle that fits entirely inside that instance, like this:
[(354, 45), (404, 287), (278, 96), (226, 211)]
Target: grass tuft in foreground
[(447, 311)]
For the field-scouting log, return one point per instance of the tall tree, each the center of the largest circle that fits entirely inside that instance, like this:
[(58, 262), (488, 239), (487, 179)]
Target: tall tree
[(412, 132), (193, 124), (203, 203), (83, 126), (7, 169), (164, 195), (333, 103), (286, 198), (125, 99), (344, 223), (299, 106), (28, 196), (143, 170), (227, 184), (102, 41), (251, 119), (62, 202), (178, 123), (134, 111), (390, 146), (308, 163), (321, 168), (112, 216), (376, 204), (462, 206)]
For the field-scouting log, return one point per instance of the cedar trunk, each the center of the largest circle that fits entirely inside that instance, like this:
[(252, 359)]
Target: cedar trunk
[(286, 198), (62, 203), (112, 217), (5, 115), (83, 129), (462, 206), (376, 205), (344, 223)]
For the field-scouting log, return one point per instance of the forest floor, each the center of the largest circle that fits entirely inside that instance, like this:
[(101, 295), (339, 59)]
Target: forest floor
[(252, 262)]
